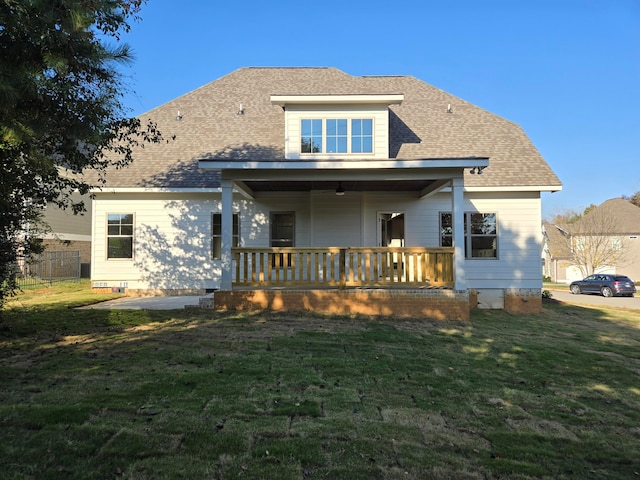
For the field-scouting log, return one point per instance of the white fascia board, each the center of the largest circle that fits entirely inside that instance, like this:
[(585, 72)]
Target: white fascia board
[(154, 190), (283, 100), (516, 188), (342, 164)]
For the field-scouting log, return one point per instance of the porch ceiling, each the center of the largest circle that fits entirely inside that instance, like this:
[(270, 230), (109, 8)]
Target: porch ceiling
[(348, 186)]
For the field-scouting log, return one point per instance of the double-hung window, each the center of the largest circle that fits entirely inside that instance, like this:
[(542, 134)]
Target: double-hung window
[(216, 234), (480, 234), (120, 235), (336, 135)]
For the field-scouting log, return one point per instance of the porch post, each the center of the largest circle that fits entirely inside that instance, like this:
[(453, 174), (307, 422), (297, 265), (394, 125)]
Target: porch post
[(457, 213), (227, 234)]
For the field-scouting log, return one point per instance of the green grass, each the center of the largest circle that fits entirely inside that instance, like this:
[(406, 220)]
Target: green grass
[(94, 394)]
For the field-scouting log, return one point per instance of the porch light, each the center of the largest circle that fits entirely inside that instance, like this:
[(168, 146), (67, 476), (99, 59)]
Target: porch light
[(339, 190)]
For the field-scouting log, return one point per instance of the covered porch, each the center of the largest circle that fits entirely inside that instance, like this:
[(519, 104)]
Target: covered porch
[(368, 276)]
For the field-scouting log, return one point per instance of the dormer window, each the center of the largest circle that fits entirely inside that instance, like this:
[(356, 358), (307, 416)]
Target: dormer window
[(332, 127), (336, 135)]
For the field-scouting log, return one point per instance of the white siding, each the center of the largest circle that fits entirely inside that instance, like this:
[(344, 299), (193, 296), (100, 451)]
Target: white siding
[(172, 246), (336, 220), (172, 242)]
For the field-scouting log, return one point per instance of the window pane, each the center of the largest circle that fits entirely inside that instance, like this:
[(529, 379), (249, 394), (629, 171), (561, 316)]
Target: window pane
[(217, 247), (446, 223), (305, 128), (342, 144), (236, 224), (367, 127), (332, 127), (367, 145), (483, 223), (282, 229), (342, 127), (483, 247), (120, 247), (356, 127), (126, 230), (113, 230), (331, 145)]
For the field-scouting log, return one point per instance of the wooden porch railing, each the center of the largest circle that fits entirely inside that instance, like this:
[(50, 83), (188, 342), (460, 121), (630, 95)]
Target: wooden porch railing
[(342, 267)]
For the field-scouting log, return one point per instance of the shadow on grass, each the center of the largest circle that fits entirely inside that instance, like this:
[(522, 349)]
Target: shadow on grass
[(199, 394)]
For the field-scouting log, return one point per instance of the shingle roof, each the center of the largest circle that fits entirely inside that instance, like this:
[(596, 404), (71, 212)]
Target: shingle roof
[(624, 216), (558, 240), (420, 128)]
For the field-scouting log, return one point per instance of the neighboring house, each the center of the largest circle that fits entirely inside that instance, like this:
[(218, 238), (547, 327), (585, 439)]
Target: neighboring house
[(308, 188), (67, 232), (556, 252), (610, 234)]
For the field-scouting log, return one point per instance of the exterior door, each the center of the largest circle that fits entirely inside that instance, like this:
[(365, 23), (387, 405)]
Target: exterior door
[(283, 229), (391, 229)]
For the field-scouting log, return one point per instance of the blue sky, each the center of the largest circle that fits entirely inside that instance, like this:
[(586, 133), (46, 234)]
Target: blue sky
[(567, 71)]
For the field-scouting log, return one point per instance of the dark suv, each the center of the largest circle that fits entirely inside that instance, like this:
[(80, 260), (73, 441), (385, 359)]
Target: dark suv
[(605, 285)]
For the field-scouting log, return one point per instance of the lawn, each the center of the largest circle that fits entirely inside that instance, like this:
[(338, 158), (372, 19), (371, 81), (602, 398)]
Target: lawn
[(93, 394)]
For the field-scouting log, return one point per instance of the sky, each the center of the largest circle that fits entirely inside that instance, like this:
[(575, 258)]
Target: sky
[(566, 71)]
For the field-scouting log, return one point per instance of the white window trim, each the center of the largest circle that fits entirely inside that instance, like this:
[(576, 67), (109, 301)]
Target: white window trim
[(107, 236)]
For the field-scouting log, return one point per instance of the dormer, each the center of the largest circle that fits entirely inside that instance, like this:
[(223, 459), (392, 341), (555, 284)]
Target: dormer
[(333, 127)]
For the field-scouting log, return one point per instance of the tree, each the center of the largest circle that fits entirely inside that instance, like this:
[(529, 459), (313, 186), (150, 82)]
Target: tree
[(634, 199), (594, 240), (61, 114)]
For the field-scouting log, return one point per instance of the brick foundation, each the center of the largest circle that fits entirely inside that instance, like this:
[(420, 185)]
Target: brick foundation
[(523, 301), (436, 304), (133, 292)]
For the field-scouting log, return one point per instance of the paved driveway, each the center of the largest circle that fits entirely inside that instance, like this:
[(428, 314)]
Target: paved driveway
[(624, 302)]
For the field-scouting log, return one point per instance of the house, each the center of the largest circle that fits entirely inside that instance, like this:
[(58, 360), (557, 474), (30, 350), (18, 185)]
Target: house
[(308, 188), (607, 238), (69, 233)]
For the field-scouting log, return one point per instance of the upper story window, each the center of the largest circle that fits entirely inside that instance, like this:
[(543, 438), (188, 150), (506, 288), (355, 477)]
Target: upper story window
[(336, 135), (311, 136), (361, 136)]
